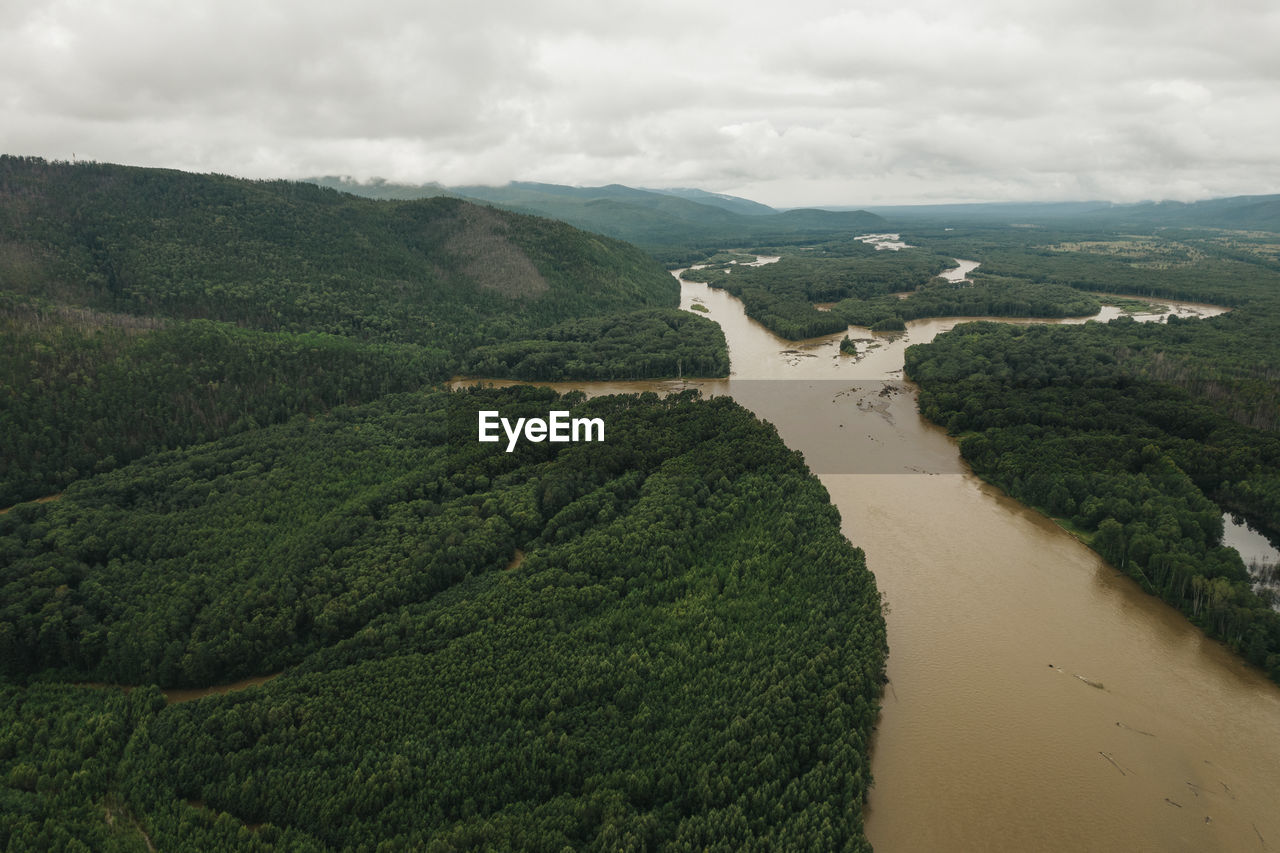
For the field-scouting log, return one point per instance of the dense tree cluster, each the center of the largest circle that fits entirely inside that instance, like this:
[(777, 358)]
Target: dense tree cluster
[(80, 395), (688, 655), (1182, 273), (985, 296), (659, 342), (60, 752)]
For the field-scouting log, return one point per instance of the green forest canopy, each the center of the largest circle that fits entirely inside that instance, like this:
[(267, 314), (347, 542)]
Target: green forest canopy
[(689, 654)]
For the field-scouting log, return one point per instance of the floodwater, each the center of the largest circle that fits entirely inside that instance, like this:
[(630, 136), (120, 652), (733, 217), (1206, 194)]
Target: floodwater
[(1037, 699), (891, 242), (960, 272), (1261, 556), (1254, 547)]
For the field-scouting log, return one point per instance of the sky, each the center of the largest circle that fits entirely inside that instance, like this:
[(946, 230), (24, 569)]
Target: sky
[(804, 102)]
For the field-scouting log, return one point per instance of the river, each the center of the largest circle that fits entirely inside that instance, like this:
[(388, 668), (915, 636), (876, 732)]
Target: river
[(1037, 699)]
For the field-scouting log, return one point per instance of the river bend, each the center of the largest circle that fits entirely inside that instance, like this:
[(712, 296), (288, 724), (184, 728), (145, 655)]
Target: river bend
[(1037, 699)]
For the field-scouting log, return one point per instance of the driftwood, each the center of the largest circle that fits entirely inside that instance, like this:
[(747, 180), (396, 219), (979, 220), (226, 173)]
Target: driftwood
[(1113, 762)]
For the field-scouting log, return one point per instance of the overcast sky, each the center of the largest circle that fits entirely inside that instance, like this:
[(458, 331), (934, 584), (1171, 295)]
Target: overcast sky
[(789, 103)]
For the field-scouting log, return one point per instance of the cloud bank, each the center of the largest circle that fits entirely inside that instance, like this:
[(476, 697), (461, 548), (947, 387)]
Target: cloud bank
[(809, 102)]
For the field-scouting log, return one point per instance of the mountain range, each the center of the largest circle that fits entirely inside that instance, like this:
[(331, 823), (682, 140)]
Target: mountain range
[(670, 218), (662, 221)]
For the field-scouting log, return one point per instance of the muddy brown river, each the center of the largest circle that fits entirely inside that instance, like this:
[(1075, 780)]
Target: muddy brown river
[(1037, 699)]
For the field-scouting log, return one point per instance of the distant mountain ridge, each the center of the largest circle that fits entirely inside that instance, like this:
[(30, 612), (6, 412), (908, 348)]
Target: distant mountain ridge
[(1243, 213), (1247, 212), (654, 219), (734, 203), (683, 215)]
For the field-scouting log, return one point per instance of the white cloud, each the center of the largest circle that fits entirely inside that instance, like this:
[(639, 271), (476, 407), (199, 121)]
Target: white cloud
[(806, 102)]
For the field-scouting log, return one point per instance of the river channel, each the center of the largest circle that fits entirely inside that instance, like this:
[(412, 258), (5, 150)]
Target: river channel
[(1037, 699)]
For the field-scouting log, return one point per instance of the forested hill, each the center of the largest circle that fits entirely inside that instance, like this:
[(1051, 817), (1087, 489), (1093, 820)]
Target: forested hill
[(143, 309), (283, 256), (667, 222)]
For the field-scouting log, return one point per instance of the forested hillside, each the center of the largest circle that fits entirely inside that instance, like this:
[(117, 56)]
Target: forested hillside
[(660, 641), (605, 348), (149, 308), (283, 256)]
